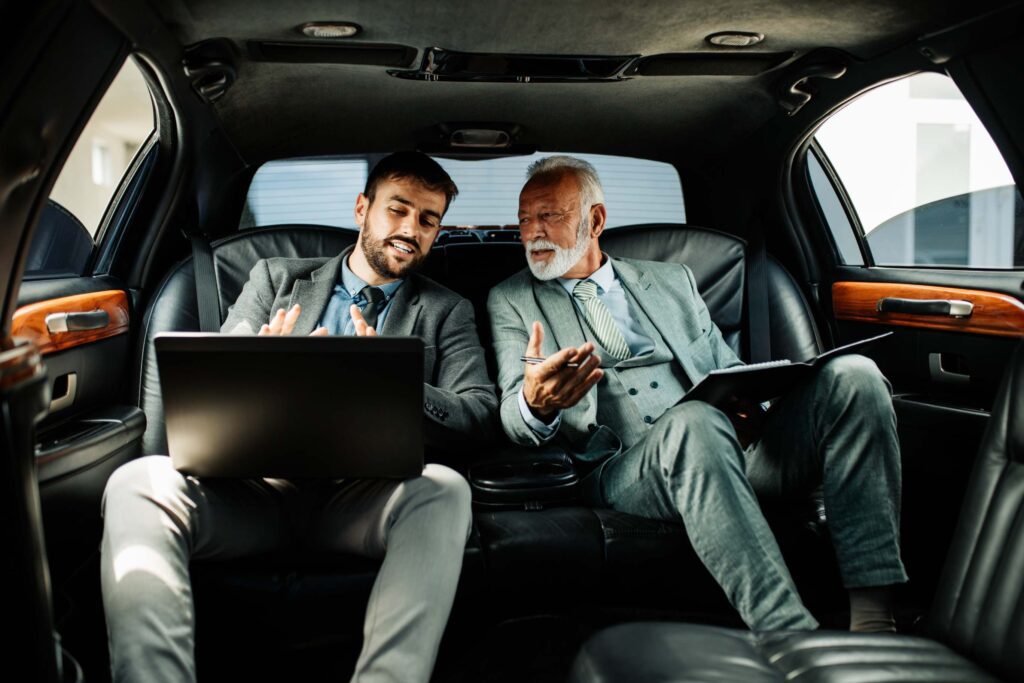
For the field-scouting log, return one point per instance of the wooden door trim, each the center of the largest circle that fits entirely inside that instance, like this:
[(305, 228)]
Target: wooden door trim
[(994, 314), (30, 321)]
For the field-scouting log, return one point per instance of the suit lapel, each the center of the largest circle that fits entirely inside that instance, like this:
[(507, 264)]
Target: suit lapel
[(655, 302), (314, 293), (405, 309), (564, 326), (564, 329)]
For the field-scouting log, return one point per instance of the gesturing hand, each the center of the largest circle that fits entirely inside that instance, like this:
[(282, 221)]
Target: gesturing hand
[(552, 385), (362, 329), (283, 322)]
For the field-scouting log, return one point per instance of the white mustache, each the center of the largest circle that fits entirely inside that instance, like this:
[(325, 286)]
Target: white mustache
[(541, 245)]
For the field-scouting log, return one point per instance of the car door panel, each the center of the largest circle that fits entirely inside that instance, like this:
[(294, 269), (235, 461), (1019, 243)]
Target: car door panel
[(71, 321), (90, 429), (944, 369), (988, 313)]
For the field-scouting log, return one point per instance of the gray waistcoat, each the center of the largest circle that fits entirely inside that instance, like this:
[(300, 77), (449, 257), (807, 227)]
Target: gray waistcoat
[(635, 392)]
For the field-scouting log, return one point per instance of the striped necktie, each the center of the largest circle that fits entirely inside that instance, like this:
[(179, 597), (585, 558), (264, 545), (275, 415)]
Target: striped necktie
[(600, 320)]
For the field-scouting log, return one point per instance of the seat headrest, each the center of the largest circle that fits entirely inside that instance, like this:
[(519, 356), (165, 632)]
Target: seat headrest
[(235, 255), (716, 259)]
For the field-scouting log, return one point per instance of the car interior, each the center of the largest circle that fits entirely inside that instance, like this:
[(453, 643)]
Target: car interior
[(828, 173)]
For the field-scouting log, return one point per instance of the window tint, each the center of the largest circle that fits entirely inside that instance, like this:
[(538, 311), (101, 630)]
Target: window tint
[(925, 181), (835, 215), (323, 191), (72, 216)]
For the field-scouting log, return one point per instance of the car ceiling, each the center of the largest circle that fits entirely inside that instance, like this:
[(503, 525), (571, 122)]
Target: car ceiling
[(278, 110)]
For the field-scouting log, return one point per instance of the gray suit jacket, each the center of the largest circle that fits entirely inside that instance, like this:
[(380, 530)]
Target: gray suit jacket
[(459, 405), (668, 294)]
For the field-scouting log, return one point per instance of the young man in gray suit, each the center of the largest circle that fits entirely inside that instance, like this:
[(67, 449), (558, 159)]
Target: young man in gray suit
[(623, 340), (156, 519)]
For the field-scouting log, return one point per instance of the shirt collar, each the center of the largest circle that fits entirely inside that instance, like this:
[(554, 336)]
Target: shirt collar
[(604, 277), (353, 284)]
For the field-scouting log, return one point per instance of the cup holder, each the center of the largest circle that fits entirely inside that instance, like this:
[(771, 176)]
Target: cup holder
[(499, 472)]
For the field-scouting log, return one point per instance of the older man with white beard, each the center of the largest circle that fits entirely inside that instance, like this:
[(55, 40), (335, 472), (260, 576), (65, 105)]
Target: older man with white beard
[(627, 340)]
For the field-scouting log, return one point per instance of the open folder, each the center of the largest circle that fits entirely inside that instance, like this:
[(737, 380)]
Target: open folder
[(764, 381)]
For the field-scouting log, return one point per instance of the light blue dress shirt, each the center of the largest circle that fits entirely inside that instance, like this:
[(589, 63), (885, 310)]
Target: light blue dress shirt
[(612, 295), (337, 318)]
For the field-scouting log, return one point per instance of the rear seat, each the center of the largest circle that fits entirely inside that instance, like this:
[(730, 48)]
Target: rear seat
[(509, 548)]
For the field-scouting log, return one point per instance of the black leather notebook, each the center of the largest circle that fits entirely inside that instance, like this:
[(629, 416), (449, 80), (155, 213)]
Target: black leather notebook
[(764, 381)]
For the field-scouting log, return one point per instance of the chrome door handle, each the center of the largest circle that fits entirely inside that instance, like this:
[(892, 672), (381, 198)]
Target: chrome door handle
[(74, 322), (954, 308)]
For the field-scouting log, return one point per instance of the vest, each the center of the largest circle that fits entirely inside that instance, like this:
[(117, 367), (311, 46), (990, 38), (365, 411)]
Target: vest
[(635, 392)]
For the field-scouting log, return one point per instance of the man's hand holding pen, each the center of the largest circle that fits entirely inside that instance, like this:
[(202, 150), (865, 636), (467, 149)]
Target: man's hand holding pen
[(561, 380)]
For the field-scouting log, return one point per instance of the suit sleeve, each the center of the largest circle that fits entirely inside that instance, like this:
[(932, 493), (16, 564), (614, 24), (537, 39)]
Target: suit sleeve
[(461, 408), (725, 357), (510, 335), (252, 309)]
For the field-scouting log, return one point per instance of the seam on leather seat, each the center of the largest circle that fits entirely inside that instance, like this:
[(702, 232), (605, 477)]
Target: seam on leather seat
[(969, 576)]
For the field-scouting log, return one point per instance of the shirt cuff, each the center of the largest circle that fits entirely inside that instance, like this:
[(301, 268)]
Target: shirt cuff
[(544, 431)]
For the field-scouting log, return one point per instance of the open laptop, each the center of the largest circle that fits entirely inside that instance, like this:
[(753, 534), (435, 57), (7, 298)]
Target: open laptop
[(292, 407)]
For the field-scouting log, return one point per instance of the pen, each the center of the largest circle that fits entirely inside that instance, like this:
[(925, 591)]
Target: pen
[(533, 360)]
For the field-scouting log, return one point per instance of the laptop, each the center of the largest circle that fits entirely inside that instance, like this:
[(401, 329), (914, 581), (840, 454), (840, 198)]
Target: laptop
[(292, 407)]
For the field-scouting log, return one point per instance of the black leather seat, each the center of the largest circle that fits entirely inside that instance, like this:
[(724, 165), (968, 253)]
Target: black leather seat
[(629, 554), (173, 307), (509, 546), (975, 628)]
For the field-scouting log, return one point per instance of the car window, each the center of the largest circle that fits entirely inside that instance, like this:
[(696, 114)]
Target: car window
[(71, 219), (923, 181), (321, 191)]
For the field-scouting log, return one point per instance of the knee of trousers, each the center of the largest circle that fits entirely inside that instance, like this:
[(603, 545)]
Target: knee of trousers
[(695, 437), (147, 480), (857, 378), (445, 493)]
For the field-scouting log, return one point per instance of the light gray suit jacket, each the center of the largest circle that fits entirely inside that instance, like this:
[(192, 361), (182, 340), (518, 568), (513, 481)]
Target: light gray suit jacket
[(668, 294), (459, 405)]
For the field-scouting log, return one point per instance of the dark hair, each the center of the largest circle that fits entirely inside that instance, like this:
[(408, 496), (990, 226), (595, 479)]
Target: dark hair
[(416, 166)]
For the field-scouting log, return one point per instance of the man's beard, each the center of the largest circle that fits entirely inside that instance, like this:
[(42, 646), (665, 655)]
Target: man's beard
[(563, 259), (376, 253)]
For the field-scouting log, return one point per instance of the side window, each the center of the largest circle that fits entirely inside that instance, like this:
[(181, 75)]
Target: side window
[(66, 235), (922, 180)]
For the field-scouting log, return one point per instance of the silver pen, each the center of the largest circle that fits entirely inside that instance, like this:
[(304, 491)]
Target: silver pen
[(534, 360)]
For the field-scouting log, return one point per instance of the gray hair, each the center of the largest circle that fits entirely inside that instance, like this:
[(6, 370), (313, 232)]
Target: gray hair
[(591, 191)]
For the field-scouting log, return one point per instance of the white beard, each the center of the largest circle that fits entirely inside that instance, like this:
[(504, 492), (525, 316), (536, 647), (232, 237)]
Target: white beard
[(563, 259)]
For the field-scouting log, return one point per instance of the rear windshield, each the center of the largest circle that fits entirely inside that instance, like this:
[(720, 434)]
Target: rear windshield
[(322, 191)]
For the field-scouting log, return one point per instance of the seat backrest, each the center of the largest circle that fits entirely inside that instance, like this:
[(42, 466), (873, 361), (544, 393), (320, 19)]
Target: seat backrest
[(471, 268), (174, 308), (979, 607), (719, 264)]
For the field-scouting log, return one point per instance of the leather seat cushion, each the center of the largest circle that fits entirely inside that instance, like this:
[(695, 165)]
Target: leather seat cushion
[(669, 652)]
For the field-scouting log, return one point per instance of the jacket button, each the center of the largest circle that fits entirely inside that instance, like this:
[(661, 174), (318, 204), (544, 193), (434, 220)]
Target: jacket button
[(632, 392), (648, 419), (654, 385), (592, 428)]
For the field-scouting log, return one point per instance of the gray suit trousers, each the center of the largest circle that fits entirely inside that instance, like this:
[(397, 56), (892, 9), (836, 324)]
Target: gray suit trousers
[(837, 430), (156, 520)]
